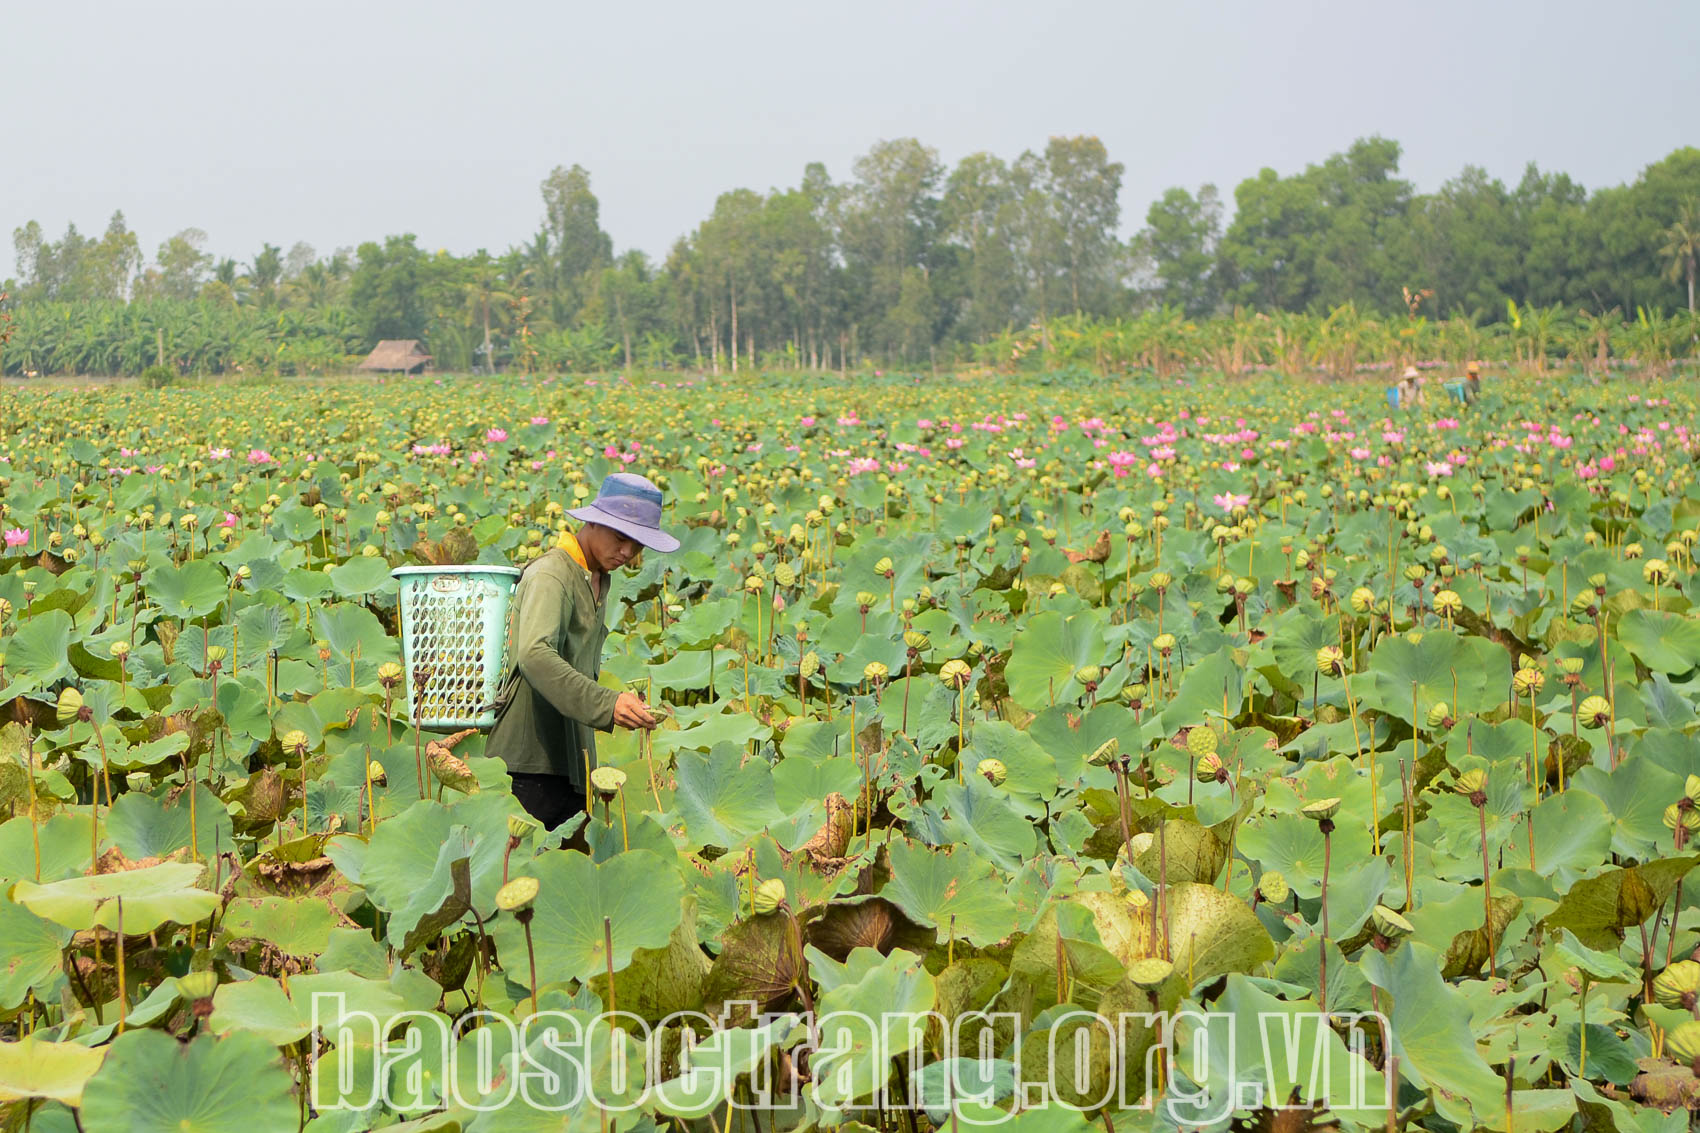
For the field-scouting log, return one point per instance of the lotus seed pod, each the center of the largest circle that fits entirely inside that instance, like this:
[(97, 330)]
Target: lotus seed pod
[(120, 649), (389, 674), (1438, 714), (1527, 682), (1682, 1042), (1329, 660), (1201, 740), (875, 671), (1594, 711), (1655, 570), (1390, 924), (607, 781), (1691, 789), (1209, 767), (216, 653), (1134, 693), (1471, 782), (197, 985), (1679, 816), (1273, 886), (70, 705), (769, 895), (1322, 810), (294, 742), (1224, 583), (1105, 753), (883, 566), (1088, 674), (1244, 586), (1162, 580), (519, 825), (785, 574), (1151, 972), (1416, 572), (955, 673), (1678, 984), (993, 771), (754, 583), (809, 665), (1632, 551), (1572, 666), (867, 598), (517, 895), (375, 772), (1057, 590), (1163, 642), (1447, 602), (916, 640)]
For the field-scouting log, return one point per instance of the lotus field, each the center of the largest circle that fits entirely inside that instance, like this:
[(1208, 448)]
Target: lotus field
[(1247, 714)]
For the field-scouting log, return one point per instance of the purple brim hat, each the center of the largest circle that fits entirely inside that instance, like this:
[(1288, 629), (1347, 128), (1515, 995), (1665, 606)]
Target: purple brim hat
[(631, 505)]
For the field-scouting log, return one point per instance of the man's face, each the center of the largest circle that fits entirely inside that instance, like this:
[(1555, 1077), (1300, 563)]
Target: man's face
[(611, 549)]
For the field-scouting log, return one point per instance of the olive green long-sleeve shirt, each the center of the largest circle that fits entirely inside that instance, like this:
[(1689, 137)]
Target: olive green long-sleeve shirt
[(550, 707)]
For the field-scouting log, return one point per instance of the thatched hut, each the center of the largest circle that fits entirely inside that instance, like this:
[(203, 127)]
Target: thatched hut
[(397, 355)]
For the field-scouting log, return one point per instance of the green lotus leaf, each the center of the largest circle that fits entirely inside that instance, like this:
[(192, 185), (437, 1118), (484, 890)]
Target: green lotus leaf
[(954, 892), (37, 1068), (151, 1083), (151, 896), (1663, 641)]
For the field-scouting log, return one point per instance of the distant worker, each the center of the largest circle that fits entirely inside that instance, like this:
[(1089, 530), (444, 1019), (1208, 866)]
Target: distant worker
[(1472, 382), (1410, 388)]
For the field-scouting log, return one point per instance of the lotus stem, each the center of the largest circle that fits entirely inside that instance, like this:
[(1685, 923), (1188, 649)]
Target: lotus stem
[(524, 918), (1327, 826), (608, 949), (123, 1002)]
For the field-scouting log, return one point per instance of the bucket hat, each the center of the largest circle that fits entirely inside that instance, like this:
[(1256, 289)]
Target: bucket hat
[(631, 505), (1411, 372)]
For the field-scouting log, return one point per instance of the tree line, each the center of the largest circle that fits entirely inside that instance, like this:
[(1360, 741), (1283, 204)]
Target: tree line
[(909, 262)]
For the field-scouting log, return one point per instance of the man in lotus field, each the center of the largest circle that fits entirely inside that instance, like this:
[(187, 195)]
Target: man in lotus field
[(550, 707)]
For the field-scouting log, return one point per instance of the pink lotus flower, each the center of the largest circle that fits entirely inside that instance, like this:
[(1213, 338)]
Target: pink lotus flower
[(1393, 436), (1438, 467), (924, 423), (1360, 453), (953, 442), (229, 519), (495, 436), (862, 464), (805, 422), (478, 456), (1025, 462), (1607, 464), (1228, 501), (218, 453), (17, 536), (539, 421), (260, 456)]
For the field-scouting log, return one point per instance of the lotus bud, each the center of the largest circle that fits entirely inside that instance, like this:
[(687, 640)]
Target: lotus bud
[(294, 742), (769, 895), (875, 671), (1440, 715), (1595, 711), (995, 772), (1528, 682), (1678, 985), (517, 895), (1105, 753), (1273, 886), (1330, 662), (1322, 810), (607, 781)]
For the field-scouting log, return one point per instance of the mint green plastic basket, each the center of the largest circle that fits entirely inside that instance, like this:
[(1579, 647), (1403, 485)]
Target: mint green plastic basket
[(454, 631)]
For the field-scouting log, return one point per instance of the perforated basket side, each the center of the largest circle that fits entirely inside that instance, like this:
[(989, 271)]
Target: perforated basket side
[(454, 632)]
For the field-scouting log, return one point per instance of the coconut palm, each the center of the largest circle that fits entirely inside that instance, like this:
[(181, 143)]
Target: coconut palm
[(1682, 247)]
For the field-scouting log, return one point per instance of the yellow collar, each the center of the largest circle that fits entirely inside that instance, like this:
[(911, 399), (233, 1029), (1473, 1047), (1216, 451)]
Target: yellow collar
[(569, 544)]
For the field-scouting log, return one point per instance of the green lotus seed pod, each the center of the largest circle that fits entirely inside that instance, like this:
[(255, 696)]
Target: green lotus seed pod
[(883, 566), (785, 574), (1390, 924), (956, 673), (993, 770), (519, 825), (1447, 602), (376, 773), (294, 742), (1201, 740), (1572, 665), (1594, 711), (1208, 767), (1151, 972), (809, 665), (1088, 674), (607, 781), (769, 895), (1162, 580), (1163, 642), (916, 640), (1527, 682), (1691, 789), (517, 895), (1470, 782), (1676, 984), (198, 985), (1322, 810), (875, 671), (755, 583), (1682, 1042), (216, 653), (1244, 586), (1329, 660), (1438, 714), (1105, 753), (1273, 886), (70, 705)]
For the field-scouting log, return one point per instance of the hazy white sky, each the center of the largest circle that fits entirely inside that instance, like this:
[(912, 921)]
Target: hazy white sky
[(337, 121)]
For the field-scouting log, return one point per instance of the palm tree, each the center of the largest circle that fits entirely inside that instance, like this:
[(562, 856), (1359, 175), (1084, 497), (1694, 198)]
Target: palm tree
[(1682, 247)]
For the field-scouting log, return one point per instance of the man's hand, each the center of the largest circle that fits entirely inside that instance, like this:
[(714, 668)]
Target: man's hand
[(631, 712)]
